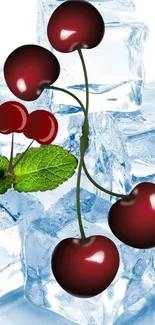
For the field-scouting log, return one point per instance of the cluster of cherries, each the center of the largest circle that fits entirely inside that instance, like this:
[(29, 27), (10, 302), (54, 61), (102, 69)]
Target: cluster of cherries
[(82, 267), (40, 125)]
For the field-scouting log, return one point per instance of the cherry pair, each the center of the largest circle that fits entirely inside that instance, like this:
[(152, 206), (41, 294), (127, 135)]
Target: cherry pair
[(39, 125)]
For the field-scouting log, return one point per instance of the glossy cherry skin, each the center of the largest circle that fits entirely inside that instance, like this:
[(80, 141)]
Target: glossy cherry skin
[(75, 23), (42, 127), (27, 68), (13, 117), (133, 222), (85, 269)]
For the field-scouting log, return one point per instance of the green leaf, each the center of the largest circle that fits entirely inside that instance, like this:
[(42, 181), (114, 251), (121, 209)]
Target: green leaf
[(5, 183), (43, 168)]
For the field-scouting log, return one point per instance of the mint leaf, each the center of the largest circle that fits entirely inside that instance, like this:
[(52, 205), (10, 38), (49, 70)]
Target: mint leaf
[(4, 163), (43, 168), (5, 183)]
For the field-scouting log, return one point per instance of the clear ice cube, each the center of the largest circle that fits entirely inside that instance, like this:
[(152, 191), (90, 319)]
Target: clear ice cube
[(137, 134), (16, 212), (140, 148)]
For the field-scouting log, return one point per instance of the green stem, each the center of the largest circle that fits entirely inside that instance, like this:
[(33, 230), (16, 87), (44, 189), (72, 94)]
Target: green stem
[(83, 146), (68, 93), (11, 156), (83, 237), (122, 196), (85, 77), (21, 157)]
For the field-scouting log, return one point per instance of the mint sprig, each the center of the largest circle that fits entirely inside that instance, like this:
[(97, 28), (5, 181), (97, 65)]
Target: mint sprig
[(43, 168)]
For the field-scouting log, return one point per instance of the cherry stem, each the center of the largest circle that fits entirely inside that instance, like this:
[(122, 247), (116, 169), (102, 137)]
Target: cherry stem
[(21, 157), (122, 196), (83, 237), (84, 142), (83, 146), (11, 156), (68, 93), (86, 78)]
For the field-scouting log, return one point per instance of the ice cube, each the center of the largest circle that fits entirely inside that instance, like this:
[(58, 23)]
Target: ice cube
[(140, 149), (137, 133), (128, 296), (17, 210), (106, 157)]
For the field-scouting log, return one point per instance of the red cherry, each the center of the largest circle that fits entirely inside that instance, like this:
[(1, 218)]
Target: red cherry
[(133, 222), (27, 68), (42, 127), (85, 269), (13, 117), (75, 23)]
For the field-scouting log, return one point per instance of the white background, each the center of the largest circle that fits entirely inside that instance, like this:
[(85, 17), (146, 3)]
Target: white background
[(17, 25)]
